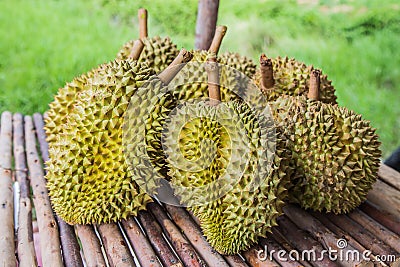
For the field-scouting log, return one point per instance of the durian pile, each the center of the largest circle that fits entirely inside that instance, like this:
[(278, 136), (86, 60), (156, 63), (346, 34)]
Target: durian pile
[(121, 132)]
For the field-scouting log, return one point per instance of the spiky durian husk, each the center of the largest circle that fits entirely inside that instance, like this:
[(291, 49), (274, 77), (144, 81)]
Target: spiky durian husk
[(250, 206), (64, 100), (238, 62), (292, 78), (336, 154), (87, 174), (158, 52)]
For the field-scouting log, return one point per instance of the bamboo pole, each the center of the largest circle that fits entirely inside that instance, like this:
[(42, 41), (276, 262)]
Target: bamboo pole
[(116, 249), (318, 231), (7, 246), (384, 218), (386, 198), (389, 175), (48, 230), (272, 245), (235, 261), (359, 233), (253, 258), (182, 246), (91, 246), (69, 243), (280, 238), (207, 14), (302, 241), (376, 229), (161, 247), (193, 233), (25, 246), (140, 244)]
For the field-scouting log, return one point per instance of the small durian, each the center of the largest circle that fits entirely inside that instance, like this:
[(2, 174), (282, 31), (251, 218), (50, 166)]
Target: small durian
[(335, 152), (87, 175), (291, 77), (158, 52)]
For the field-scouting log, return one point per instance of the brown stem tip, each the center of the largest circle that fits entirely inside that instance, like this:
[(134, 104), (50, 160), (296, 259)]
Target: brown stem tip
[(220, 32), (313, 91), (136, 50), (142, 16), (214, 93), (267, 73), (179, 62)]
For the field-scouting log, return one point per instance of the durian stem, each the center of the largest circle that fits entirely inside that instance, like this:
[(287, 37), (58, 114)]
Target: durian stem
[(267, 73), (142, 16), (217, 40), (213, 81), (179, 62), (136, 50), (313, 91)]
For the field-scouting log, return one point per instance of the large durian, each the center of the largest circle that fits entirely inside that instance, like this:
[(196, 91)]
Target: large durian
[(87, 175), (335, 153), (292, 78), (158, 52), (239, 194)]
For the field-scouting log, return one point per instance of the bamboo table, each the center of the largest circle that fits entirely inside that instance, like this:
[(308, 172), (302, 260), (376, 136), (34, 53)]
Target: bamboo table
[(167, 235)]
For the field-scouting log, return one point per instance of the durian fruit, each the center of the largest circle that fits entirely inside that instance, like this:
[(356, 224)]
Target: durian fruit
[(292, 77), (239, 194), (158, 52), (87, 175), (335, 152)]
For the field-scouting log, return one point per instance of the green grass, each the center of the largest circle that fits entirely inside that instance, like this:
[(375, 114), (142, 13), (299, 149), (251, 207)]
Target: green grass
[(45, 43)]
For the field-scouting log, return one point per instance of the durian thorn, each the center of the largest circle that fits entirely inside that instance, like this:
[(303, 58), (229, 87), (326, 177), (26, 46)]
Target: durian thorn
[(213, 81), (142, 16), (313, 91), (136, 50), (179, 62), (267, 73), (217, 40)]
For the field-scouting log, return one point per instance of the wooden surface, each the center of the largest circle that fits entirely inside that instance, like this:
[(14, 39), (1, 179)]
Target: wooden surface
[(166, 235)]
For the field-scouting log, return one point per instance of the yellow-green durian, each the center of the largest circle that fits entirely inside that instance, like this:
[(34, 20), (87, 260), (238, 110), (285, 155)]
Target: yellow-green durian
[(158, 52), (245, 176), (292, 77), (335, 153), (88, 178)]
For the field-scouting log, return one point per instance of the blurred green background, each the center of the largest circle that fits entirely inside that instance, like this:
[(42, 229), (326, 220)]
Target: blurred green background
[(45, 43)]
